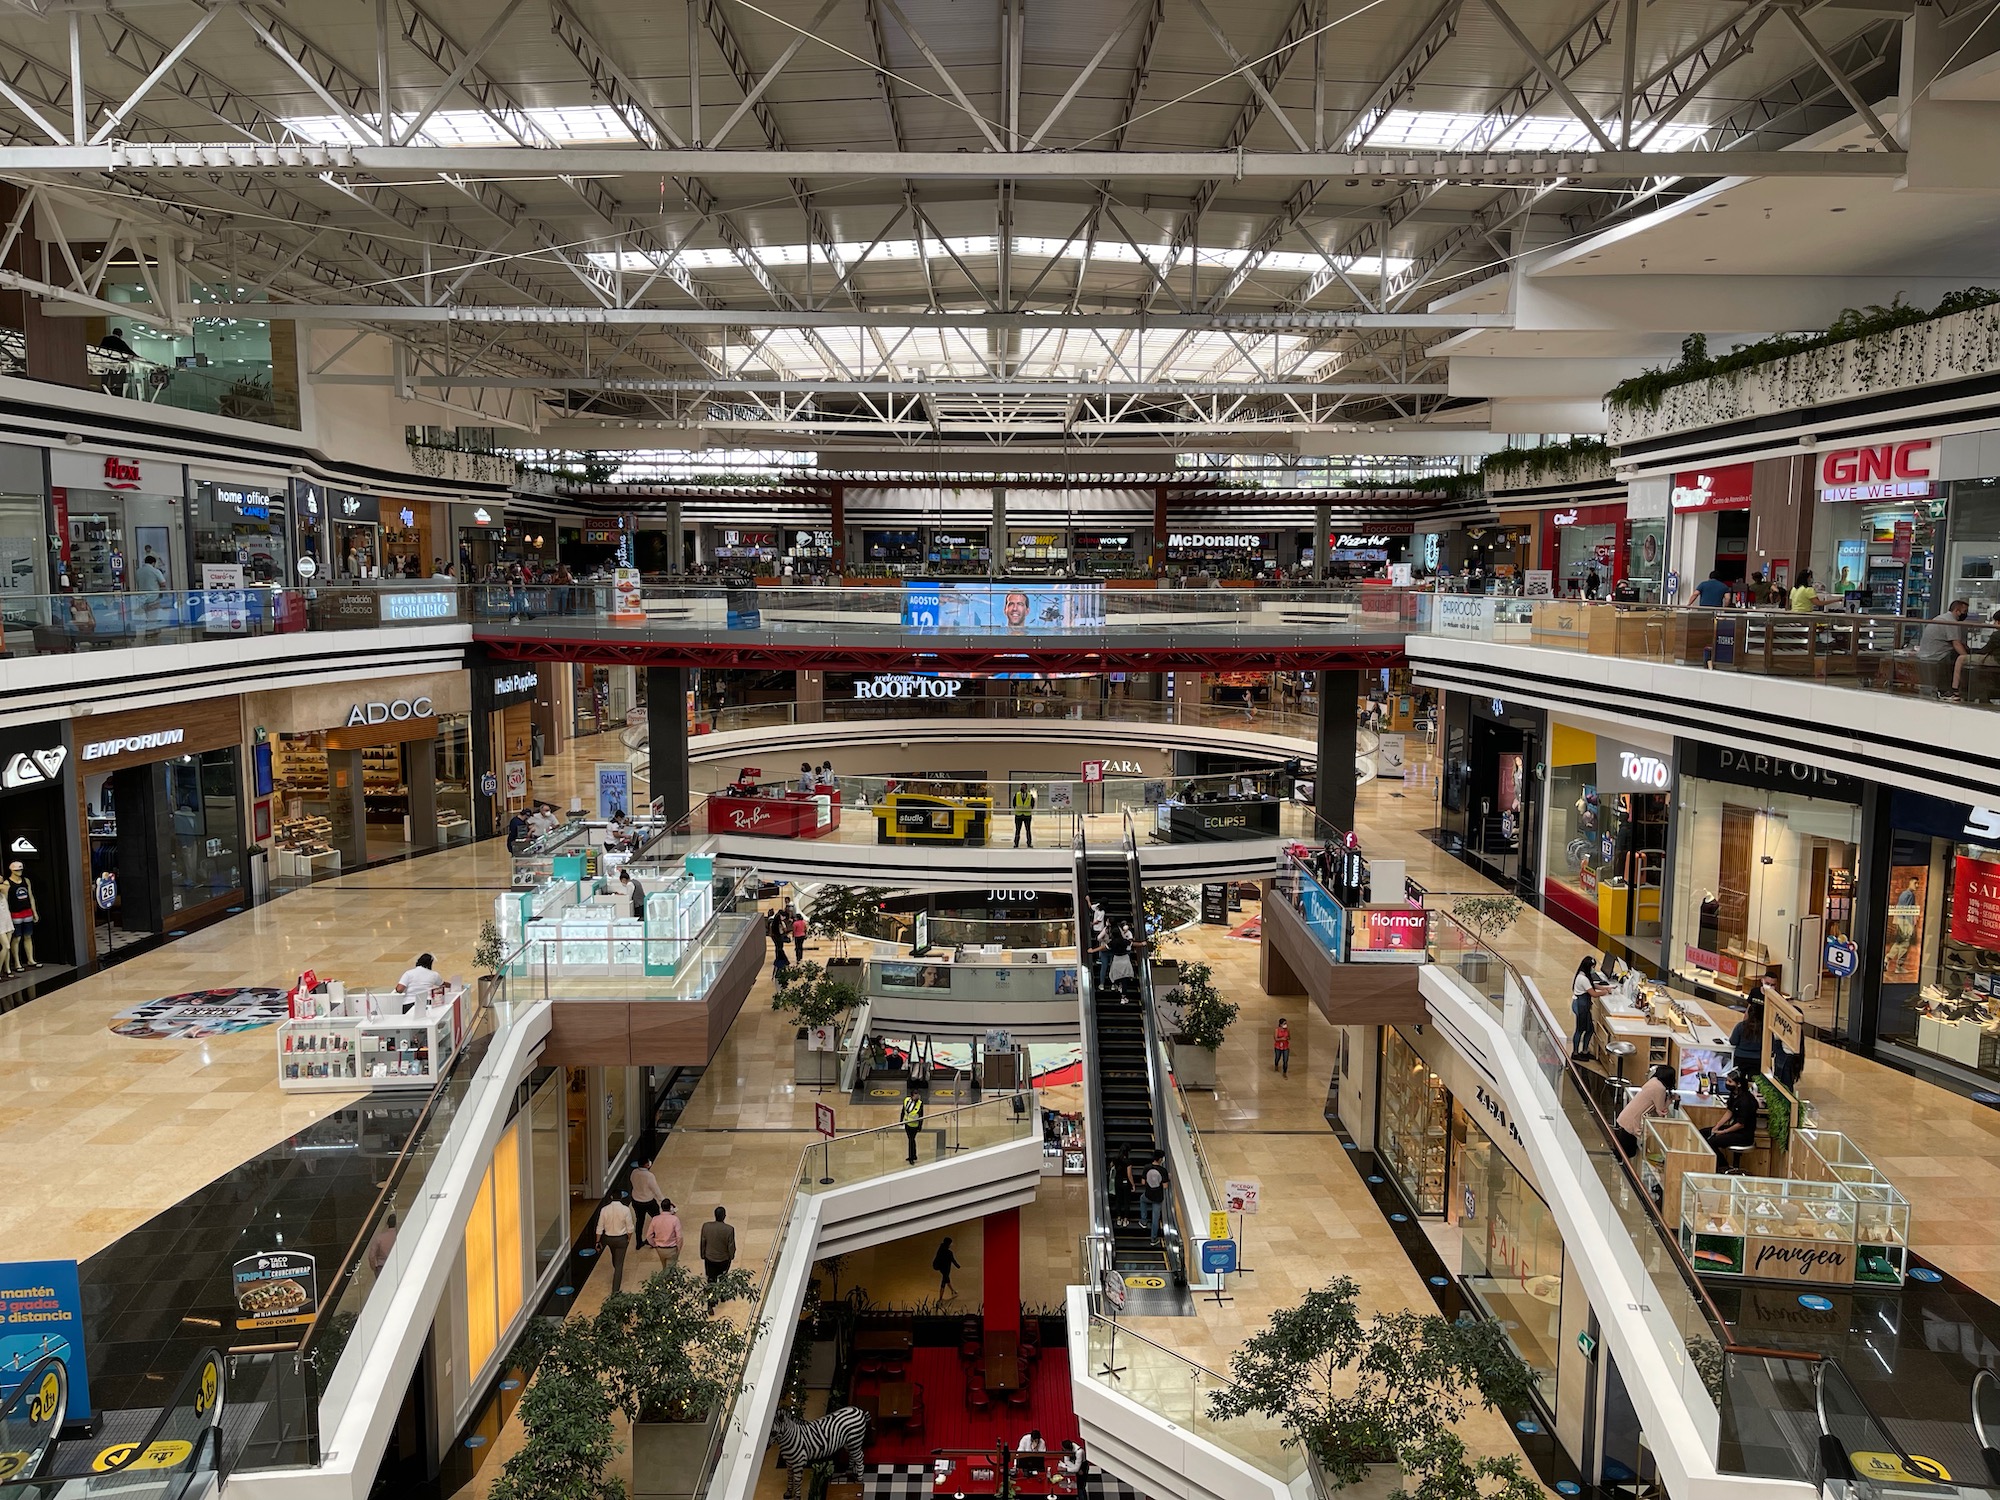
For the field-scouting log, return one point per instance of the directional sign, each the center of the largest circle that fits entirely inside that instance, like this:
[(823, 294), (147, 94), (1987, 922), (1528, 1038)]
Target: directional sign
[(1218, 1257)]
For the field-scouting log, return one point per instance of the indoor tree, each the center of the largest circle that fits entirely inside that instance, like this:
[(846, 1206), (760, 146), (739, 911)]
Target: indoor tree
[(1486, 917), (665, 1354), (834, 912), (566, 1415), (1202, 1016), (1167, 908), (811, 998), (1390, 1389)]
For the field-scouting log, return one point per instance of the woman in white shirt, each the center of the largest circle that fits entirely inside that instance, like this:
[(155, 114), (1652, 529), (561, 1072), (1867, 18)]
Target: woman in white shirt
[(1583, 989)]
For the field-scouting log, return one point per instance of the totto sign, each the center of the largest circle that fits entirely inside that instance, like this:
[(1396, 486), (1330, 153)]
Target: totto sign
[(1643, 770), (1884, 471)]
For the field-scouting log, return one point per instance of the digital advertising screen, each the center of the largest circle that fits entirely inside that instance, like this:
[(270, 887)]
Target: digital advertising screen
[(983, 608)]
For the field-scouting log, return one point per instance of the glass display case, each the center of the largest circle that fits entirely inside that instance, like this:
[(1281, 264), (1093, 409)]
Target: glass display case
[(318, 1055), (1881, 1231), (369, 1045), (1769, 1228), (1412, 1131)]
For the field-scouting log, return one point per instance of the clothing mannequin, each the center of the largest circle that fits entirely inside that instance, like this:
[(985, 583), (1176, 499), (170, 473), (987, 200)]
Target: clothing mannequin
[(23, 914)]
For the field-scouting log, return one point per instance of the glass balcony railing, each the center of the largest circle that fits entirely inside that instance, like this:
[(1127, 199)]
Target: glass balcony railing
[(1864, 652), (1177, 1389)]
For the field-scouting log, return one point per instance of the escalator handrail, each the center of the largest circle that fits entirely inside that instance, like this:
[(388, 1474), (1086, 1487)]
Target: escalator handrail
[(172, 1405), (1095, 1161), (27, 1390), (1156, 1082), (1979, 1422)]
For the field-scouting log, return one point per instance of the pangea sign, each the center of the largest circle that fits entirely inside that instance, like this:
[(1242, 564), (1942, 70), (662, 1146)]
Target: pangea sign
[(892, 685), (1883, 471), (1725, 487)]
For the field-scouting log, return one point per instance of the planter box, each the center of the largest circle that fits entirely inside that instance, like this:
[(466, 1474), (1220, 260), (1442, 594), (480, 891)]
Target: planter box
[(1476, 967), (1194, 1066), (668, 1458), (809, 1067)]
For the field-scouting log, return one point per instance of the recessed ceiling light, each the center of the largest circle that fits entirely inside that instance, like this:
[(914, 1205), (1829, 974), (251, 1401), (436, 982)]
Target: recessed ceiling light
[(1701, 213), (1836, 210), (1708, 260)]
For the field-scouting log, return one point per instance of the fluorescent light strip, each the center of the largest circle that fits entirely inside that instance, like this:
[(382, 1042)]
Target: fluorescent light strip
[(1025, 247)]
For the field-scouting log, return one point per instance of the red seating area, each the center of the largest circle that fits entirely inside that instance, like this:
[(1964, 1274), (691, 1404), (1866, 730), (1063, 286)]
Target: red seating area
[(951, 1421)]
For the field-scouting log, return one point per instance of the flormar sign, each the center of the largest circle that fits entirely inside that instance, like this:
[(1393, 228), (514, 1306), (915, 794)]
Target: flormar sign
[(891, 685), (1882, 471)]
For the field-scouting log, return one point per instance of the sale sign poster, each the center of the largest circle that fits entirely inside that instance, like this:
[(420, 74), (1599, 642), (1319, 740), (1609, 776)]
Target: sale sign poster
[(1975, 902)]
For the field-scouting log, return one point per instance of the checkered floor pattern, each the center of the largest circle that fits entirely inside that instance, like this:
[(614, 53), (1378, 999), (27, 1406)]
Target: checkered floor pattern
[(913, 1482)]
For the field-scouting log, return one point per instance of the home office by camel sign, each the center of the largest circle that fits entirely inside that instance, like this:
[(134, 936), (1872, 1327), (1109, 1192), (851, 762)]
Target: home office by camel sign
[(903, 685)]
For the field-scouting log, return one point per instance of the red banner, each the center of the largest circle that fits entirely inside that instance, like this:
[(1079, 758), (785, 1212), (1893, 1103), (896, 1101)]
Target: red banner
[(1975, 902)]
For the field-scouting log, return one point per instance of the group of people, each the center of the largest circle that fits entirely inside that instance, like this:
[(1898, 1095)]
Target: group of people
[(783, 924), (1112, 948), (1144, 1185), (650, 1217)]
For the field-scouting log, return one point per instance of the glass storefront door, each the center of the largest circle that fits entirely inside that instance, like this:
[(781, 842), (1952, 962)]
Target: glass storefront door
[(1411, 1131)]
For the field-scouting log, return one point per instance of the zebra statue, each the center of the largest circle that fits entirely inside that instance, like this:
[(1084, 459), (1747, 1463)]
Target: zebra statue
[(803, 1443)]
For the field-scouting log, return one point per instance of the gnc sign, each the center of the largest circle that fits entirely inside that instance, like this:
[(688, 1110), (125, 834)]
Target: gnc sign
[(1883, 471)]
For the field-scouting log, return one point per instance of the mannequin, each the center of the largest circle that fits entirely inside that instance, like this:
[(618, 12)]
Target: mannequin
[(23, 914)]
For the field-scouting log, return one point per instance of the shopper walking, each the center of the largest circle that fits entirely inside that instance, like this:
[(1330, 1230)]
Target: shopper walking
[(780, 934), (663, 1233), (1024, 815), (614, 1233), (913, 1120), (646, 1194), (799, 930), (718, 1245), (1153, 1195), (1281, 1048), (944, 1263)]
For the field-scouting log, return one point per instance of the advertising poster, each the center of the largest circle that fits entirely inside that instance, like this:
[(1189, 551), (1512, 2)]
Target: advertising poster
[(1975, 902), (1903, 929), (517, 779), (1389, 752), (278, 1289), (41, 1313), (1540, 584), (1240, 1194), (1324, 918), (1059, 799), (225, 608), (1215, 905), (1003, 609), (614, 789), (17, 565)]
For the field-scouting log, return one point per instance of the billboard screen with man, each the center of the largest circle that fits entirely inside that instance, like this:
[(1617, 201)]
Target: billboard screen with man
[(984, 608)]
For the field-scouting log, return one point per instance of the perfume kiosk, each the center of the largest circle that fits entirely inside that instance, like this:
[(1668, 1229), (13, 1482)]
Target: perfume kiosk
[(581, 924)]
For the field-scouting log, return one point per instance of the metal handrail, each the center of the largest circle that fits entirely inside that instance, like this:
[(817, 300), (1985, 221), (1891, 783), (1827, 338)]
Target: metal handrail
[(1156, 1081), (168, 1409), (1094, 1157), (1127, 1331)]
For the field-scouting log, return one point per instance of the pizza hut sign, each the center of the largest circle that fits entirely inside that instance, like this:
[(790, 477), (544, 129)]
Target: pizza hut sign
[(1883, 471)]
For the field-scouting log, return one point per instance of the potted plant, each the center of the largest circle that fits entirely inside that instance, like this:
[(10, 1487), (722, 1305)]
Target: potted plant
[(1486, 918), (670, 1360), (1168, 909), (566, 1414), (1202, 1020), (813, 998), (486, 954), (838, 912), (1369, 1401)]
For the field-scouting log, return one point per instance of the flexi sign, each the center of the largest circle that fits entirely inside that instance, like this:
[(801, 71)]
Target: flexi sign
[(889, 685), (1882, 471)]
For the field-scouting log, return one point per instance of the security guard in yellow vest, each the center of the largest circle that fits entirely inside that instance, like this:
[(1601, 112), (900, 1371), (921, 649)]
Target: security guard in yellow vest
[(913, 1121), (1024, 815)]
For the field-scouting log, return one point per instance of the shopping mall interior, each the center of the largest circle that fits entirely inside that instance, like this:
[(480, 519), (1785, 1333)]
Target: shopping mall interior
[(861, 750)]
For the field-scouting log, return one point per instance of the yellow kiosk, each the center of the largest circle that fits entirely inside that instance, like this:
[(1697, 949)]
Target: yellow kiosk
[(925, 818)]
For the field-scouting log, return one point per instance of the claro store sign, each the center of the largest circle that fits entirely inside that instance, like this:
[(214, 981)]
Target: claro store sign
[(1724, 487), (1879, 471)]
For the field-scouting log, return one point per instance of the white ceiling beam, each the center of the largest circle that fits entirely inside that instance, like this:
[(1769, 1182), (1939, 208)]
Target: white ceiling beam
[(942, 388)]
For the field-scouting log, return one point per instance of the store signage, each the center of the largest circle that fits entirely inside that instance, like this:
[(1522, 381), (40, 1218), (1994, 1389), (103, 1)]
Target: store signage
[(1725, 487), (308, 565), (22, 845), (1564, 517), (34, 768), (252, 505), (1463, 614), (350, 505), (1009, 898), (480, 516), (1214, 539), (1358, 539), (1387, 935), (1983, 823), (426, 604), (126, 745), (1975, 901), (395, 711), (516, 683), (1497, 1112), (900, 685), (1773, 773), (1883, 471), (1121, 767), (1633, 768), (121, 473), (407, 516)]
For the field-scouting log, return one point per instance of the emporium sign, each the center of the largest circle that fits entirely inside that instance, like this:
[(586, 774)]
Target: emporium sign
[(903, 685)]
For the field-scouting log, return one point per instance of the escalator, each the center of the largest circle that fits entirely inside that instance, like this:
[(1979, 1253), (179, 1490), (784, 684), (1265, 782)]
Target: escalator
[(1122, 1085), (169, 1452)]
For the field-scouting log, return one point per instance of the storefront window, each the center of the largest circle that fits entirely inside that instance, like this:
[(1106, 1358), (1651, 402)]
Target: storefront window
[(202, 794), (1104, 555), (1764, 879), (960, 552), (223, 366), (1511, 1250), (1583, 550), (1883, 551), (1037, 551), (1574, 822), (23, 558), (121, 541), (241, 525), (453, 749), (1941, 939), (1222, 555), (891, 548), (1411, 1133), (1972, 562), (1645, 561), (551, 1205)]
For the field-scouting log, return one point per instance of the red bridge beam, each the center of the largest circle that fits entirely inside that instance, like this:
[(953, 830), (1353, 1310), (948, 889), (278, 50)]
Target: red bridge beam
[(831, 656)]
